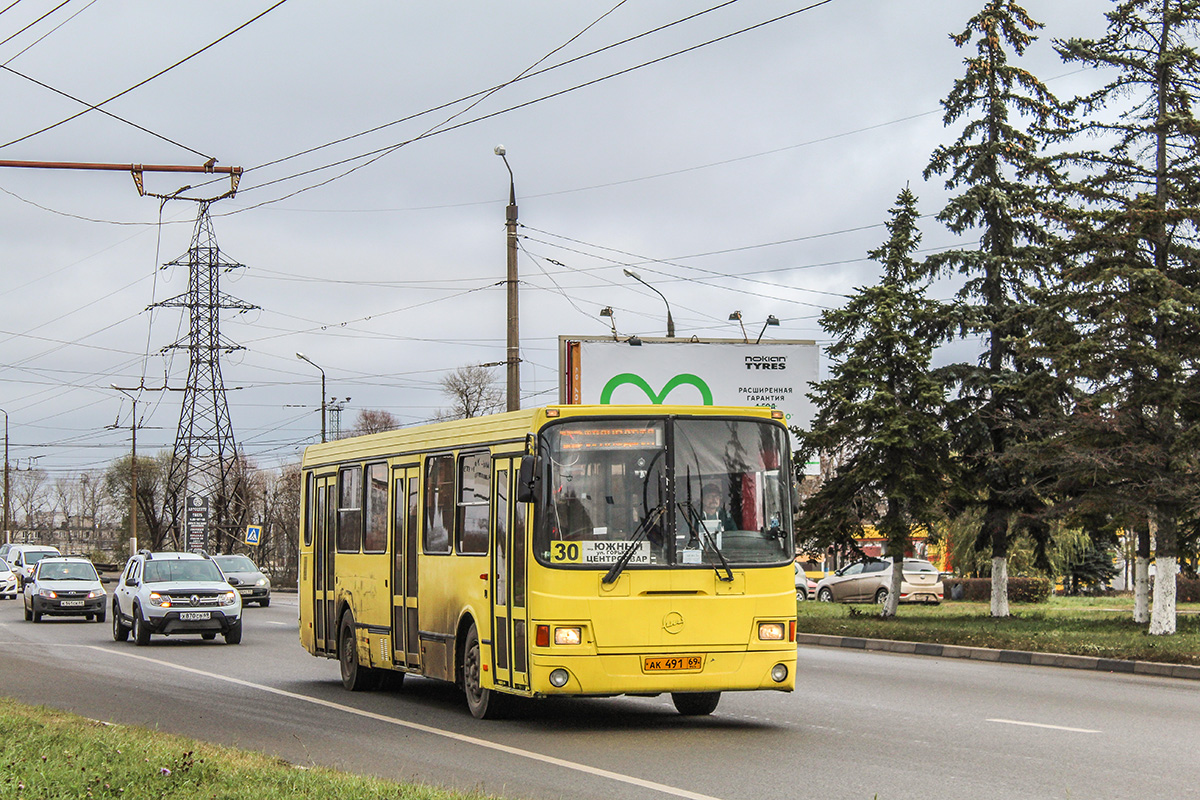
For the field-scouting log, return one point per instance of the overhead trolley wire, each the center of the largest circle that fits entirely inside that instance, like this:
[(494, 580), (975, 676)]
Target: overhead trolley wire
[(160, 73), (380, 152)]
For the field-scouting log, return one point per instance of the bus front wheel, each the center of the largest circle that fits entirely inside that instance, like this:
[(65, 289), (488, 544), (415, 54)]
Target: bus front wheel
[(355, 677), (484, 703), (695, 704)]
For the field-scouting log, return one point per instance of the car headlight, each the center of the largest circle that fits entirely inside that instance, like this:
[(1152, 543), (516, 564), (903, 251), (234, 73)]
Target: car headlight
[(48, 593), (770, 631), (261, 582), (94, 593), (229, 598), (159, 600)]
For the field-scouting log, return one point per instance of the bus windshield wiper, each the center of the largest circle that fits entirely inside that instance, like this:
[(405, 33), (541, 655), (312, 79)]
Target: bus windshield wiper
[(615, 571), (694, 523)]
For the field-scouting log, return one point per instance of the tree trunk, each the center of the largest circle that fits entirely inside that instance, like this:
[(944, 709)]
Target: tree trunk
[(893, 598), (1162, 618), (1000, 586), (1141, 573)]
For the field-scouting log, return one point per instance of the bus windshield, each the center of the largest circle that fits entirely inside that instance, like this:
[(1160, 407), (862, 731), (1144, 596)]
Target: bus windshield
[(701, 491)]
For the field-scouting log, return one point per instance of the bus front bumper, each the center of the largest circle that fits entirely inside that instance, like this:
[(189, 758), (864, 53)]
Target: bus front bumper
[(644, 673)]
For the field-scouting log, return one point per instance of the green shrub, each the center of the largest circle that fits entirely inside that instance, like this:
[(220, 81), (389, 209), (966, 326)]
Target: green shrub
[(1187, 590), (979, 590)]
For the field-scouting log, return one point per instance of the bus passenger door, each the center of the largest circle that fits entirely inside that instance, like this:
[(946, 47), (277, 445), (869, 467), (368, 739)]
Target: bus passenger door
[(509, 649), (405, 485), (324, 637)]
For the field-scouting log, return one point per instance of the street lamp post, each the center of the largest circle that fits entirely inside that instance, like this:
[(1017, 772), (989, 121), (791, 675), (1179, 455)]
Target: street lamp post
[(6, 528), (513, 359), (670, 321), (303, 357)]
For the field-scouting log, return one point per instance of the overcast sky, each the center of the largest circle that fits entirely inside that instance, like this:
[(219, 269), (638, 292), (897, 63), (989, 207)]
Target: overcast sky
[(751, 173)]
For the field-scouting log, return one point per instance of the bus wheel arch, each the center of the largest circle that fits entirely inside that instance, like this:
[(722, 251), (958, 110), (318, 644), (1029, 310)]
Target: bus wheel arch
[(355, 677)]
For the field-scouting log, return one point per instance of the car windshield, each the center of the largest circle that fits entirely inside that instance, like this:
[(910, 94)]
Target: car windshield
[(4, 567), (235, 564), (677, 492), (67, 571), (919, 566), (181, 570), (34, 556)]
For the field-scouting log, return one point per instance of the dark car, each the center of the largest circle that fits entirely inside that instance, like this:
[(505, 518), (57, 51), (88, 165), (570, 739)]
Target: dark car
[(246, 578), (64, 586)]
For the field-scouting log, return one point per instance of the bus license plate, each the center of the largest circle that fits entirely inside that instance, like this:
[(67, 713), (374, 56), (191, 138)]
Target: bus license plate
[(70, 603), (194, 615), (672, 663)]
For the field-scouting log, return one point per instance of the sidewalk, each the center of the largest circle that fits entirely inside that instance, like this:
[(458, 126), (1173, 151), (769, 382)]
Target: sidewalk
[(1003, 656)]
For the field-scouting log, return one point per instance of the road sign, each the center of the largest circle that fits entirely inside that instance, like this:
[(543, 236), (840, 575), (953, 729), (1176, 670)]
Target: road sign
[(196, 523), (253, 534)]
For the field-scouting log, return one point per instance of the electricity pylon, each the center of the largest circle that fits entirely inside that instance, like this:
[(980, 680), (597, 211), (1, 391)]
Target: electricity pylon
[(205, 463)]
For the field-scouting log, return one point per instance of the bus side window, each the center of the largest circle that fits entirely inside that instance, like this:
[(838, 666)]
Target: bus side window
[(310, 504), (439, 502), (475, 477), (350, 516), (377, 491)]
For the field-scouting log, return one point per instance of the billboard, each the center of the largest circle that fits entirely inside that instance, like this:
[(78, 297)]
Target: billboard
[(692, 371)]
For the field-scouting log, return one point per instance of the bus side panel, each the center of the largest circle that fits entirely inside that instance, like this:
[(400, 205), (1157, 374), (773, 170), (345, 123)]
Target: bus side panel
[(449, 584), (363, 585)]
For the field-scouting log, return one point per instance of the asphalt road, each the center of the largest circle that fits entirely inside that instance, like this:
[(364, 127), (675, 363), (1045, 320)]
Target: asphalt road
[(859, 724)]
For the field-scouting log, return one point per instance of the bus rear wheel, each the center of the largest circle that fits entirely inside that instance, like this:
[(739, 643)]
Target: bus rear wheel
[(695, 704), (484, 703), (355, 677)]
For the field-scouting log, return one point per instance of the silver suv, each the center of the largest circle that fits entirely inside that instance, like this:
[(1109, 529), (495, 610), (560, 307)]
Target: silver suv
[(172, 593)]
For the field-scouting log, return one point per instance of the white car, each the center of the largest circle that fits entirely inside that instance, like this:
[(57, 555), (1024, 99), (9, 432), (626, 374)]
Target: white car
[(175, 593), (8, 581), (23, 557), (63, 587)]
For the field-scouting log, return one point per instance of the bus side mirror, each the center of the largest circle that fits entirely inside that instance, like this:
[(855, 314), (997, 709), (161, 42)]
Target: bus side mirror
[(527, 480)]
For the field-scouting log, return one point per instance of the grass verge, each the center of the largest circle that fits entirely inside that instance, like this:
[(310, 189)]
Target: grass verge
[(53, 754), (1100, 627)]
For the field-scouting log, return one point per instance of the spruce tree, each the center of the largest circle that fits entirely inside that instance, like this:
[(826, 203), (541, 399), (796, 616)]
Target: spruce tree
[(1134, 291), (882, 406), (998, 166)]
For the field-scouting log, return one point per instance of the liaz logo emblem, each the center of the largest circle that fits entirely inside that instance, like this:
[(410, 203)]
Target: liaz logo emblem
[(673, 622), (685, 379)]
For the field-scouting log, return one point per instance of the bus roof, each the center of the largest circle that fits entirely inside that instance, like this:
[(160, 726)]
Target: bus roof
[(510, 426)]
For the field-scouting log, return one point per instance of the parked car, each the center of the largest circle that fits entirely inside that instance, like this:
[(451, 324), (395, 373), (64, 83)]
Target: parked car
[(175, 593), (23, 557), (64, 586), (251, 583), (869, 580), (8, 581), (806, 587)]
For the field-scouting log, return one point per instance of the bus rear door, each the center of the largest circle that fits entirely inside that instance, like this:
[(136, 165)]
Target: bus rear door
[(509, 616), (406, 505)]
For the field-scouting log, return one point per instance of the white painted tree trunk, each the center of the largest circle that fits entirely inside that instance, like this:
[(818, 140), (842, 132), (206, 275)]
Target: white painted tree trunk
[(1000, 586), (892, 604), (1141, 590), (1162, 617)]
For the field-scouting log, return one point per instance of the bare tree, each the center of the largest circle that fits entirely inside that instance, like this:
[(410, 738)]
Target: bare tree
[(473, 391), (374, 421), (29, 495)]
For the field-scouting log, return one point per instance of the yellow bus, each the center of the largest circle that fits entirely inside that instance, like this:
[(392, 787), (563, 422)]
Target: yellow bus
[(565, 550)]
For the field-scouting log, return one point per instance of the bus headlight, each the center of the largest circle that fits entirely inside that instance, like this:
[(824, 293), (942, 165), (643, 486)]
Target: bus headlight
[(567, 636), (559, 678), (770, 631), (779, 673)]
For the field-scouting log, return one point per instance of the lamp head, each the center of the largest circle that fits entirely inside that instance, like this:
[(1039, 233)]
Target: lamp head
[(630, 273), (500, 151), (737, 315), (635, 341), (606, 311), (772, 319)]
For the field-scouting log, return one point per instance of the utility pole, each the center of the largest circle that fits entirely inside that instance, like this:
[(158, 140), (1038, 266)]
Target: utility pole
[(133, 481), (6, 506), (514, 337)]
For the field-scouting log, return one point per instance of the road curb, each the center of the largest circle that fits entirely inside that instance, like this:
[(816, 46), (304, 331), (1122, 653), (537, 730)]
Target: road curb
[(1004, 656)]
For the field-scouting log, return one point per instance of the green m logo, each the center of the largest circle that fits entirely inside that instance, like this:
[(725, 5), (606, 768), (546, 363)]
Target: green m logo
[(657, 399)]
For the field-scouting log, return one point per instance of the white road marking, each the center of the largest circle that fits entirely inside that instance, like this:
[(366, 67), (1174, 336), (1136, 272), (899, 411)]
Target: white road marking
[(1041, 725), (416, 726)]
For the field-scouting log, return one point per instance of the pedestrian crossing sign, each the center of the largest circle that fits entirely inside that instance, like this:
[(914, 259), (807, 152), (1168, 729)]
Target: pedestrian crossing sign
[(253, 534)]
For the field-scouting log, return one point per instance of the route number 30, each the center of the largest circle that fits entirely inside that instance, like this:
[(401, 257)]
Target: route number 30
[(564, 552)]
